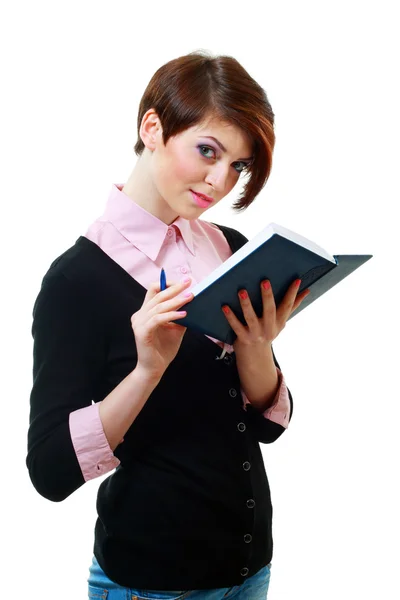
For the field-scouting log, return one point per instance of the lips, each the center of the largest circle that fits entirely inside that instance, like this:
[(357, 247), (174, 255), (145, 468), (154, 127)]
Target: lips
[(201, 200)]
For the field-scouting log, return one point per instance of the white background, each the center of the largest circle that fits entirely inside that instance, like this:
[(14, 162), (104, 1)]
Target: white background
[(72, 77)]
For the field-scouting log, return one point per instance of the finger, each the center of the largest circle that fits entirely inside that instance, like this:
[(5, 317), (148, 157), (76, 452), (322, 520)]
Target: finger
[(286, 306), (247, 308), (233, 321), (175, 287), (293, 290), (268, 300), (300, 299), (152, 290), (162, 319), (174, 303), (155, 294)]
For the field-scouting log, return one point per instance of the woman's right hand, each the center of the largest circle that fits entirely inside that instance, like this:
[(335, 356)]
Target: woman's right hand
[(158, 340)]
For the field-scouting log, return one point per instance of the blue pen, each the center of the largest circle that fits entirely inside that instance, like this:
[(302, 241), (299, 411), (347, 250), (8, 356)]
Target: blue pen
[(163, 281)]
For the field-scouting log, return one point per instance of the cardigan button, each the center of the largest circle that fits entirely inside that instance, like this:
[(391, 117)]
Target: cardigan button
[(250, 503), (232, 393), (246, 465), (241, 426), (248, 538), (244, 572), (228, 359)]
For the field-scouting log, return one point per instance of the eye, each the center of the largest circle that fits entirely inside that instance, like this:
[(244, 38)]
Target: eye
[(208, 148), (244, 167)]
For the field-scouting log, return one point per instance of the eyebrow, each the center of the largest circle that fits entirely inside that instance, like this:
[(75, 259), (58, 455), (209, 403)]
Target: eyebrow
[(222, 147)]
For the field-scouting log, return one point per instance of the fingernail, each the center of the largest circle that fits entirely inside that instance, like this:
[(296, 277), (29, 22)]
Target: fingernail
[(243, 294), (266, 285), (186, 280), (298, 282), (187, 294)]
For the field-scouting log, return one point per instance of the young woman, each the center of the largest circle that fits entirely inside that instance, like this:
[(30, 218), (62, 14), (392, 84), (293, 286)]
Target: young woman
[(119, 384)]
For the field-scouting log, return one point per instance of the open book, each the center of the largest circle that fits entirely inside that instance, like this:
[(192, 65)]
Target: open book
[(277, 254)]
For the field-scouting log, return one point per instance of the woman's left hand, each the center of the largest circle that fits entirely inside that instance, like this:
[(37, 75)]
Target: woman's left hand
[(262, 331)]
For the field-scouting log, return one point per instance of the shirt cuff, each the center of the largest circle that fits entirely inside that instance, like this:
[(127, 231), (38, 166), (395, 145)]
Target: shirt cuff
[(91, 447), (279, 411)]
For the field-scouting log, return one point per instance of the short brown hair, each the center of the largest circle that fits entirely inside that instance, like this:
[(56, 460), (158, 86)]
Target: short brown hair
[(188, 89)]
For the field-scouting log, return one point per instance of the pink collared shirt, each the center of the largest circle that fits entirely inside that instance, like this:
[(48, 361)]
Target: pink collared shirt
[(184, 248)]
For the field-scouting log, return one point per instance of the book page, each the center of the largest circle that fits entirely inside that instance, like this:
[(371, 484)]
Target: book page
[(264, 235)]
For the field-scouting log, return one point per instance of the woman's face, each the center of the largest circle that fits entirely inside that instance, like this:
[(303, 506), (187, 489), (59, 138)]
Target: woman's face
[(193, 161)]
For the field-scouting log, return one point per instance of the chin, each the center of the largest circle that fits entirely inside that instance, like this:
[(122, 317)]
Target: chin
[(186, 208)]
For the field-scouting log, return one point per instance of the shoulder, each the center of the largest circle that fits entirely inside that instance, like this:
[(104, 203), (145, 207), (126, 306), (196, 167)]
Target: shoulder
[(74, 276), (84, 263), (235, 238)]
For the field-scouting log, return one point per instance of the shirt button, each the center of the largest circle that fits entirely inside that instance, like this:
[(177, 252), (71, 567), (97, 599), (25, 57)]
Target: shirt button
[(246, 466), (250, 503), (244, 572), (183, 270), (170, 232), (248, 538), (233, 392), (228, 359), (241, 426)]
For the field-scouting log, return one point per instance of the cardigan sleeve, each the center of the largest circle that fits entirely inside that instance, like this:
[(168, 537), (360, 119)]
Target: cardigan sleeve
[(270, 425), (266, 430), (68, 357), (279, 410)]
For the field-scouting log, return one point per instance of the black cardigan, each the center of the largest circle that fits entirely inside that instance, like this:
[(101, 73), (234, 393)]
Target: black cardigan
[(189, 506)]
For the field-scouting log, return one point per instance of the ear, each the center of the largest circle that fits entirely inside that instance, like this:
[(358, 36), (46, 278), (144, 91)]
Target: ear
[(150, 129)]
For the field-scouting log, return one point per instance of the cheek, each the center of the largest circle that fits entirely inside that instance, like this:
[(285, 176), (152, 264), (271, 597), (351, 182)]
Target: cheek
[(185, 167)]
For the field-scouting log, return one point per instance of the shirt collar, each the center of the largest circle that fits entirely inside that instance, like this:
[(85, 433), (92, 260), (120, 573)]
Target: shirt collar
[(135, 223)]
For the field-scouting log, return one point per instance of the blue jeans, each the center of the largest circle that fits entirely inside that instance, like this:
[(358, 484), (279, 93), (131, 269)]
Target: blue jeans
[(102, 588)]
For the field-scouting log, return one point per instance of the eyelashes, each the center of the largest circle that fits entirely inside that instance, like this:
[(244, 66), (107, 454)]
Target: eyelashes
[(201, 146)]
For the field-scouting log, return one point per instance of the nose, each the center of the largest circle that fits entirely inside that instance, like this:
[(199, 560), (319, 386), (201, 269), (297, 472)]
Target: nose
[(217, 177)]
